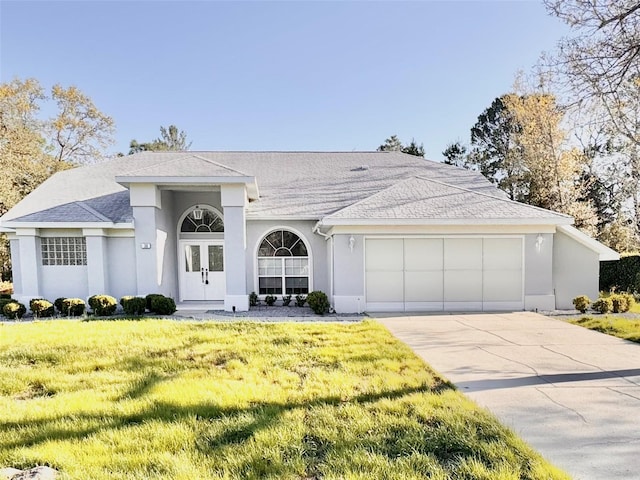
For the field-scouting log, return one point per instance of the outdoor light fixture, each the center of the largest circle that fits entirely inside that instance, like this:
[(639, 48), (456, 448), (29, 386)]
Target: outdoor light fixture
[(352, 242), (145, 246), (539, 242), (197, 213)]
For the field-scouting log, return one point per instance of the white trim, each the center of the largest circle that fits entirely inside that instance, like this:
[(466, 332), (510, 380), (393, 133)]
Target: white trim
[(602, 250), (110, 225), (256, 283), (445, 221), (182, 265), (191, 209)]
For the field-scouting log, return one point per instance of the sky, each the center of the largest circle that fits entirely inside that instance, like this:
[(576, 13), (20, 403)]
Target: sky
[(304, 75)]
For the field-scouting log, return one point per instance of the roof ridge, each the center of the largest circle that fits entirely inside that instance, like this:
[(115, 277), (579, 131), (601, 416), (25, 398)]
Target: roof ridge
[(92, 211), (507, 200), (156, 164), (213, 162)]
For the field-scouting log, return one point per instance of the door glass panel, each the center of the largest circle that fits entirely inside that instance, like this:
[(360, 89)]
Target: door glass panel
[(192, 257), (216, 258)]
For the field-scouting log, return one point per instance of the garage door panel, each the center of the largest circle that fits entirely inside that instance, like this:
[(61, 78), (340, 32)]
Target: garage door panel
[(385, 286), (463, 286), (502, 286), (422, 254), (423, 286), (384, 254), (462, 253), (502, 254)]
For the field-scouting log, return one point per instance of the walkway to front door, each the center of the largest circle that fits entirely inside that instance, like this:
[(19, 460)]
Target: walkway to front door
[(572, 393), (202, 270)]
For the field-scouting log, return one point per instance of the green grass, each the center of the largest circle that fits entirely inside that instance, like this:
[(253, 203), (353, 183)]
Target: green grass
[(178, 400), (620, 327)]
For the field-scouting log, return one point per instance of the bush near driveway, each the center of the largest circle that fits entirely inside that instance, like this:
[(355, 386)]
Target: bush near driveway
[(181, 400)]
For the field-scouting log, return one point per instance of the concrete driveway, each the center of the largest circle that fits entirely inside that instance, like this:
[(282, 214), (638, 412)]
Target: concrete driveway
[(573, 394)]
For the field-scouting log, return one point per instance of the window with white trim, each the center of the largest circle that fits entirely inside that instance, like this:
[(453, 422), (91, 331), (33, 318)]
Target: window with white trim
[(283, 264), (63, 250), (207, 221)]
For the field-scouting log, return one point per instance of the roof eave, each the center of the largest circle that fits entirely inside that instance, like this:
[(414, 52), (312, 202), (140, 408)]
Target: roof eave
[(248, 181), (605, 253), (446, 221), (15, 224)]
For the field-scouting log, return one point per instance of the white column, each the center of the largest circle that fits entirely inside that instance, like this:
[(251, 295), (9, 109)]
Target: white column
[(145, 199), (30, 262), (234, 199), (97, 261)]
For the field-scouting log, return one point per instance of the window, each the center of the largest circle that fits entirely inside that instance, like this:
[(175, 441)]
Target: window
[(209, 222), (63, 250), (283, 264)]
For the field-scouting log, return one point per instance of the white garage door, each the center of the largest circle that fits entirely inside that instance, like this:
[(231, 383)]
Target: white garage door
[(421, 274)]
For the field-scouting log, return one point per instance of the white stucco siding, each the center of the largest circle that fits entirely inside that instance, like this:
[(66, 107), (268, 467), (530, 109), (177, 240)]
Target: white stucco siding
[(16, 268), (538, 270), (63, 281), (167, 276), (576, 270), (348, 273), (121, 266), (256, 231)]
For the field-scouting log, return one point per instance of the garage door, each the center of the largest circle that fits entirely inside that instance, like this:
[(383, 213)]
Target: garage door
[(423, 274)]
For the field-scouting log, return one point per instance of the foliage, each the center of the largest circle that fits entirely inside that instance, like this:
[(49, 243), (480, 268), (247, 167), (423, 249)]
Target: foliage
[(270, 300), (582, 303), (14, 310), (602, 305), (41, 308), (149, 300), (133, 305), (393, 144), (170, 139), (73, 307), (300, 300), (6, 288), (620, 302), (318, 302), (58, 303), (455, 154), (286, 300), (624, 328), (241, 401), (4, 301), (253, 299), (103, 305), (163, 305), (620, 274)]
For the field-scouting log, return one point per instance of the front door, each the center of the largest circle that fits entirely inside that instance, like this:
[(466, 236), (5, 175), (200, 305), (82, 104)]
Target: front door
[(202, 270)]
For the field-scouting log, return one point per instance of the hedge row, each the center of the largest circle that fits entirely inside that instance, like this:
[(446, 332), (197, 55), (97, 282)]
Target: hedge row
[(621, 275)]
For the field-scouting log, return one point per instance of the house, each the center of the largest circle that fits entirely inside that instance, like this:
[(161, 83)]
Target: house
[(376, 231)]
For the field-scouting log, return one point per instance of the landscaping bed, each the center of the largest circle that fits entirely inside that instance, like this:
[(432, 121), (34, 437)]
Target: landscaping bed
[(153, 399)]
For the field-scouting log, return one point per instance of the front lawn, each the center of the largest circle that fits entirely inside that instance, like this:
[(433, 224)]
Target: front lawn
[(620, 327), (184, 400)]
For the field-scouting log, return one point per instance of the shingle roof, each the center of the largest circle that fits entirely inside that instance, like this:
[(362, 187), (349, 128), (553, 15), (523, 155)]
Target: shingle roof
[(421, 198), (292, 184)]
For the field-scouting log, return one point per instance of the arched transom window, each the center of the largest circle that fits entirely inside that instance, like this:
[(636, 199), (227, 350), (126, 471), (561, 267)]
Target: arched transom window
[(202, 220), (283, 264)]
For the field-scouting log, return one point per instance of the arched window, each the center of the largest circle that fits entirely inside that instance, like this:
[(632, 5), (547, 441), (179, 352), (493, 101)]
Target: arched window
[(202, 220), (283, 264)]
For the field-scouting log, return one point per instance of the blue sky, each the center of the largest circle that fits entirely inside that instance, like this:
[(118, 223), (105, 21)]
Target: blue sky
[(280, 75)]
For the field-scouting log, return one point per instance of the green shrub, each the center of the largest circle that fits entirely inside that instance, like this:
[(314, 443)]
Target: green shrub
[(126, 298), (318, 302), (620, 275), (286, 300), (5, 296), (41, 308), (619, 303), (58, 304), (73, 307), (4, 301), (163, 305), (582, 303), (631, 300), (253, 299), (602, 305), (133, 305), (14, 310), (300, 300), (270, 300), (103, 305), (149, 299)]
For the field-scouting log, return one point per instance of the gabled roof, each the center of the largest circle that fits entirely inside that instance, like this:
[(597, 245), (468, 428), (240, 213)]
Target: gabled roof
[(293, 185), (424, 200)]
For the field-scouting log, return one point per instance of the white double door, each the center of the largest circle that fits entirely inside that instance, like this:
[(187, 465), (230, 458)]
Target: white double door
[(202, 270)]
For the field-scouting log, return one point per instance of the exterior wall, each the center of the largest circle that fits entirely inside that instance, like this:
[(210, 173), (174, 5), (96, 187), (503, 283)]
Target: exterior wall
[(121, 266), (348, 273), (256, 231), (166, 246), (63, 281), (576, 271), (538, 272), (16, 267)]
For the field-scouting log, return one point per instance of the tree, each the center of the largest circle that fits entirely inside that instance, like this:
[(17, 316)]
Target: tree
[(170, 139), (32, 149), (456, 154), (393, 144)]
